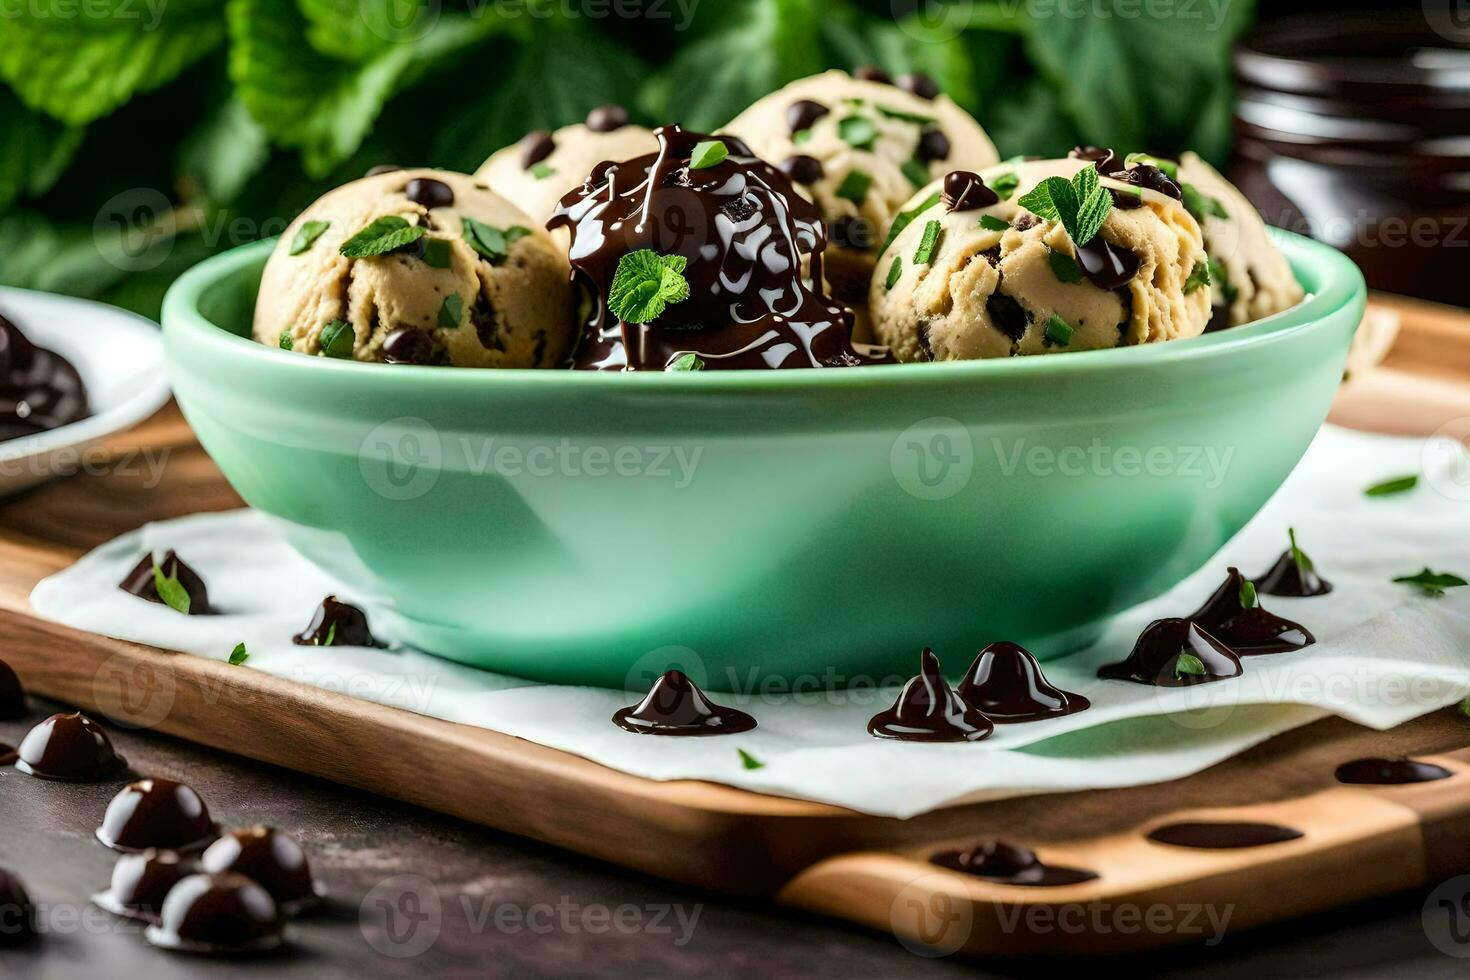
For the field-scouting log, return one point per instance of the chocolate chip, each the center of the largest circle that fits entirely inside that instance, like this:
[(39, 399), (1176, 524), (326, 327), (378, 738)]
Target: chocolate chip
[(1026, 220), (964, 190), (853, 233), (1105, 160), (606, 118), (429, 192), (535, 147), (382, 168), (487, 324), (872, 73), (802, 168), (933, 145), (803, 113), (408, 346), (919, 84), (1009, 317)]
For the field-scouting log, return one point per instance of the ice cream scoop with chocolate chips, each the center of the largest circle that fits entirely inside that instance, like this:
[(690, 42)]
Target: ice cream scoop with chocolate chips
[(859, 147), (542, 168), (1040, 257), (418, 267)]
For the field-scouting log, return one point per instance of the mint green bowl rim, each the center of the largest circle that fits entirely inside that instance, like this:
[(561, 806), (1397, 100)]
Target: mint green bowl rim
[(1330, 278)]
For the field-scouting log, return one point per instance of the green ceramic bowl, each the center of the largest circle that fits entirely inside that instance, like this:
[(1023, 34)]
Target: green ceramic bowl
[(762, 528)]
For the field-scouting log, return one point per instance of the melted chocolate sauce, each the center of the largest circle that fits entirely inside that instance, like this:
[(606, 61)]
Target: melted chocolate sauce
[(1159, 657), (1222, 836), (1248, 631), (140, 883), (743, 232), (141, 582), (12, 694), (1389, 772), (69, 748), (1288, 578), (39, 389), (1107, 266), (607, 118), (1009, 864), (676, 706), (156, 813), (17, 914), (536, 146), (928, 710), (226, 913), (336, 624), (1105, 160), (1006, 683), (965, 190), (1148, 176), (272, 859)]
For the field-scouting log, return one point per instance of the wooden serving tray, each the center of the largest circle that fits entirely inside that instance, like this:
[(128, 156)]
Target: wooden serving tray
[(1358, 841)]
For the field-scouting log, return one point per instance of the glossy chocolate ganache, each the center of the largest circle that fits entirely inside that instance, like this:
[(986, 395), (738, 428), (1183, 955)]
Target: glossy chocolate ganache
[(39, 389), (736, 232)]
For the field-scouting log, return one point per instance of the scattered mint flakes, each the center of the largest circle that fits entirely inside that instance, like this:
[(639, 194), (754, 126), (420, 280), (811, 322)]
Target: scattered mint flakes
[(1188, 665), (338, 339), (1199, 277), (906, 218), (895, 272), (238, 655), (1063, 266), (307, 235), (492, 243), (542, 170), (854, 186), (1298, 556), (1059, 331), (925, 252), (1169, 167), (1005, 184), (911, 117), (857, 132), (436, 253), (749, 761), (1433, 583), (382, 236), (1399, 484), (645, 283), (1219, 277), (801, 137), (450, 311), (687, 361), (173, 594), (707, 153), (1202, 205), (1080, 205), (1248, 599), (916, 172), (287, 342), (991, 223)]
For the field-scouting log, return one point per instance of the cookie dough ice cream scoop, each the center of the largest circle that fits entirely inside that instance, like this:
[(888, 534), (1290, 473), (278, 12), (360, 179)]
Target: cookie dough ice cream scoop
[(418, 267)]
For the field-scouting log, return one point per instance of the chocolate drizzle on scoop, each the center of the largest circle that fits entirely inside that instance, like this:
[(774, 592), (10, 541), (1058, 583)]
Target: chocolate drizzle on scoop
[(1175, 653), (964, 190), (336, 624), (156, 813), (1107, 266), (676, 706), (69, 748), (17, 914), (928, 710), (12, 694), (743, 232), (1389, 772), (140, 883), (141, 582), (39, 389), (1105, 160), (1248, 630), (1006, 683), (224, 913), (1222, 836), (1010, 864)]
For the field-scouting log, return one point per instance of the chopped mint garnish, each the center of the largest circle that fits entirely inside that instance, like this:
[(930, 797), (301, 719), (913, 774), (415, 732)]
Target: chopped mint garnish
[(857, 132), (905, 218), (854, 186), (436, 253), (916, 172), (1005, 185), (286, 341), (749, 761), (338, 339), (991, 223), (1081, 205), (1169, 167), (1465, 707), (801, 136), (382, 236), (1059, 331), (707, 153), (895, 272), (904, 116), (542, 170), (1202, 205), (687, 361), (1220, 278), (1199, 277), (173, 594), (645, 283), (927, 244), (1298, 555), (307, 235), (331, 635), (491, 242), (450, 311), (1063, 266), (1400, 484), (1248, 598), (238, 656), (1433, 583), (1188, 665)]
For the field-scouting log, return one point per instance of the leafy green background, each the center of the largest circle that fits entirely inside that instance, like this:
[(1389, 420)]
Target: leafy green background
[(139, 136)]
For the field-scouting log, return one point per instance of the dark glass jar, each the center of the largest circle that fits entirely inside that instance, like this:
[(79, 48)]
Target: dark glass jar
[(1355, 129)]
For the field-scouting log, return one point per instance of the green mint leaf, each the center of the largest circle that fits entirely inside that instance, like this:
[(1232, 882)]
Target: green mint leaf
[(1005, 185), (1219, 277), (1093, 207), (854, 186), (1298, 555), (749, 761), (1059, 331), (895, 272), (1169, 167), (451, 311), (542, 170), (1199, 277), (34, 149), (905, 218), (1465, 708), (287, 342), (1063, 266), (991, 223), (492, 243), (801, 137), (645, 283), (688, 361), (904, 116), (239, 655), (916, 172), (436, 253), (707, 154), (381, 237), (1433, 583), (1188, 665), (1201, 205), (338, 340), (174, 595), (1248, 598), (857, 132), (1041, 200), (307, 234), (928, 243), (331, 635), (1400, 484)]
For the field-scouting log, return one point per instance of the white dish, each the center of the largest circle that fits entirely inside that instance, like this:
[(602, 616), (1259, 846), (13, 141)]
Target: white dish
[(120, 358)]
